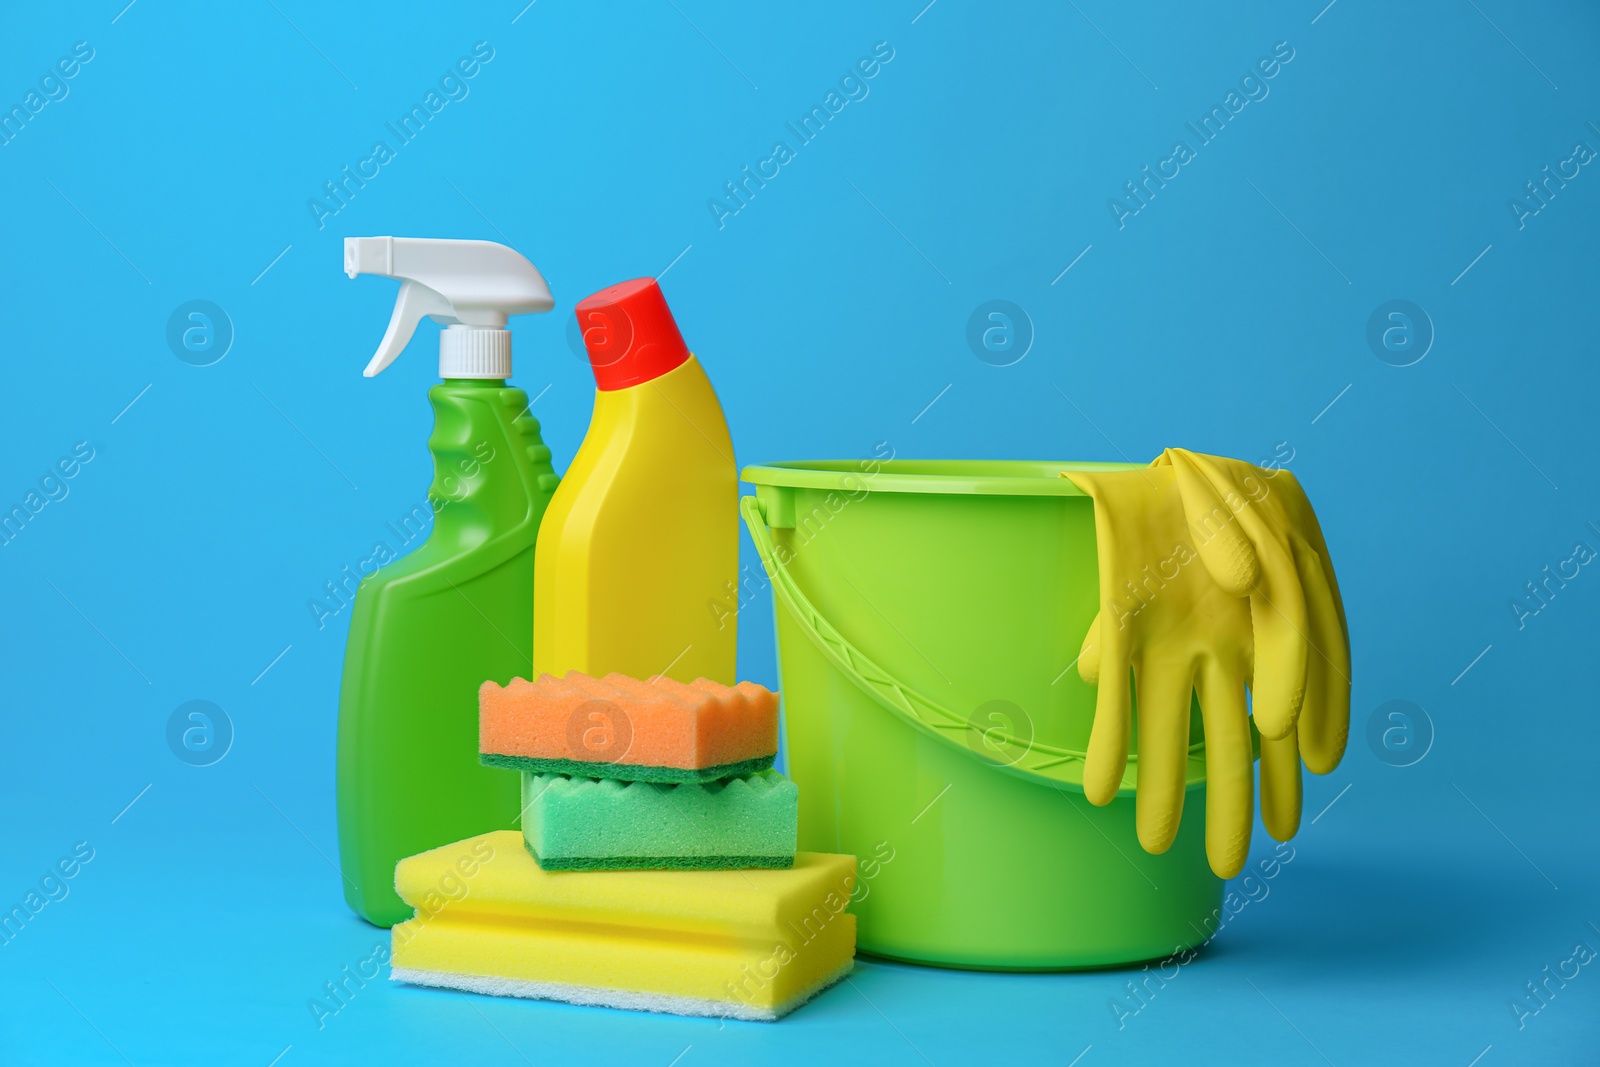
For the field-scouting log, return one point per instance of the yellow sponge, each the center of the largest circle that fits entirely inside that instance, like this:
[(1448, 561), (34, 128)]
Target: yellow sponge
[(741, 944)]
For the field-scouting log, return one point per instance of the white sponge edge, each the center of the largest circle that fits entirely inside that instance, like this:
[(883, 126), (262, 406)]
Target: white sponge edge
[(628, 1000)]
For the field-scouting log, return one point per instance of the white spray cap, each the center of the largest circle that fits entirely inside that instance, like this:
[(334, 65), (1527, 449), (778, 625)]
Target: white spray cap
[(470, 286)]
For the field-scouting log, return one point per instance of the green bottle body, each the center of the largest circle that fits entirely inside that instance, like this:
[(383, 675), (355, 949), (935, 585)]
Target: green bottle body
[(426, 631)]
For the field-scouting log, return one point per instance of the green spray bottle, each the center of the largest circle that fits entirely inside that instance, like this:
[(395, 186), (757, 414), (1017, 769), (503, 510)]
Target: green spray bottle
[(429, 628)]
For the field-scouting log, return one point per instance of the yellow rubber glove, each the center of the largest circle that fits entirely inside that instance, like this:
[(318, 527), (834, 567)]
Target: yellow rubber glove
[(1258, 536), (1167, 622)]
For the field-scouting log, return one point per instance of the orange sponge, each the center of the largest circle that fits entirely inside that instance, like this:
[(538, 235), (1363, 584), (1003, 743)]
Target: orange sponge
[(660, 730)]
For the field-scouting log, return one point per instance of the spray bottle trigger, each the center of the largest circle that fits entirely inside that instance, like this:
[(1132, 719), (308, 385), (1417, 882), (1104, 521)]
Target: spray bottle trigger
[(472, 286), (415, 302)]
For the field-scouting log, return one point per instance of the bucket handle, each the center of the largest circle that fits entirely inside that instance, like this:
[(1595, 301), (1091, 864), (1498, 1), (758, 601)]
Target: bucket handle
[(1052, 764)]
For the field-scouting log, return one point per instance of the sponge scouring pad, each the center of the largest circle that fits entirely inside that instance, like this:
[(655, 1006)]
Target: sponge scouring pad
[(660, 730), (740, 944), (603, 824)]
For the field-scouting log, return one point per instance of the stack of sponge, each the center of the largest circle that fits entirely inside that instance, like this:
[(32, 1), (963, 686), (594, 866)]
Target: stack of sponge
[(657, 868)]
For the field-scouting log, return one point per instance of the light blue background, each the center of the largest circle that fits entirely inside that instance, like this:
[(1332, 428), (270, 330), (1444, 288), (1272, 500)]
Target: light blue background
[(1226, 316)]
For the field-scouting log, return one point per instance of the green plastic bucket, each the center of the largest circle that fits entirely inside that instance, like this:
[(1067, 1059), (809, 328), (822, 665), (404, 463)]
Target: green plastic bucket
[(929, 614)]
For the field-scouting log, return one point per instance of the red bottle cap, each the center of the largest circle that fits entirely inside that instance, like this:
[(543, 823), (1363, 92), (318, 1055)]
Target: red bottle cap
[(630, 334)]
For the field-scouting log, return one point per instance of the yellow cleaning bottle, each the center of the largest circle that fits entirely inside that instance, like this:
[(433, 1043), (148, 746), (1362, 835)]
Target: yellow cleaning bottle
[(639, 546)]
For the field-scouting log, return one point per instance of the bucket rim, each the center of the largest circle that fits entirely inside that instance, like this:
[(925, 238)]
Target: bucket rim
[(951, 477)]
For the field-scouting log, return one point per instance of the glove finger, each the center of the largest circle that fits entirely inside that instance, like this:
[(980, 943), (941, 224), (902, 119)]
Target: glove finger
[(1280, 786), (1324, 724), (1311, 531), (1163, 695), (1278, 629), (1089, 653), (1230, 777), (1107, 757), (1218, 535), (1304, 519)]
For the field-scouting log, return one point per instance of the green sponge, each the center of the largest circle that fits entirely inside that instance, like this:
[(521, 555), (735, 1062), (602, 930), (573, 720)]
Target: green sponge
[(575, 823)]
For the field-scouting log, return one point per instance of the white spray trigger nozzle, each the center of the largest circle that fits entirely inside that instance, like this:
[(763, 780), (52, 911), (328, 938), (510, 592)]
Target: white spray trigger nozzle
[(472, 284)]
